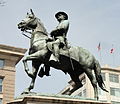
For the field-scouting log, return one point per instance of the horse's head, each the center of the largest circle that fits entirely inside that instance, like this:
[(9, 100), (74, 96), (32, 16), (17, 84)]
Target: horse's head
[(29, 23)]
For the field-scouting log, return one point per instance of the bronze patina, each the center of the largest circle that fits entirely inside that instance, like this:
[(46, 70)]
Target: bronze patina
[(74, 60)]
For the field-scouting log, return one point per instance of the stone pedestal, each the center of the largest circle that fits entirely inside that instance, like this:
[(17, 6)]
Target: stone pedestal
[(53, 100)]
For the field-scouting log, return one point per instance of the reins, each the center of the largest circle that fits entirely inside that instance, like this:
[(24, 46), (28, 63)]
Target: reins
[(31, 33), (25, 35)]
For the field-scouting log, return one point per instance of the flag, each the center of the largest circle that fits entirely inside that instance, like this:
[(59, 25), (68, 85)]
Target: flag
[(99, 47), (112, 49)]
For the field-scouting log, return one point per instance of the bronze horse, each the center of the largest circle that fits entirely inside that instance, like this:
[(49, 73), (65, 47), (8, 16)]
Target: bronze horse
[(74, 61)]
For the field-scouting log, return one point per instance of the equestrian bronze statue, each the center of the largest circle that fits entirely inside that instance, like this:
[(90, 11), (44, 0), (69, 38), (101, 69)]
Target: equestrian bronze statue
[(73, 60)]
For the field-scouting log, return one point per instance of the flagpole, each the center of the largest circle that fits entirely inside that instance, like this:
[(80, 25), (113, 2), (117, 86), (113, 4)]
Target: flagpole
[(113, 57), (100, 57), (99, 49)]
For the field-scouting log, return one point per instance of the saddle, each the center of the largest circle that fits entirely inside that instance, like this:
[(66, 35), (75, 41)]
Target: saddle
[(70, 52)]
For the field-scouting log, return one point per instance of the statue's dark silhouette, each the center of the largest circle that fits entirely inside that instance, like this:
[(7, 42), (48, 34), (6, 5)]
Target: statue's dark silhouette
[(73, 60)]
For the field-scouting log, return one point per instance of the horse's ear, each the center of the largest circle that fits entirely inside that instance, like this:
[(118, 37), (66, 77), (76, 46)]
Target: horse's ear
[(32, 12)]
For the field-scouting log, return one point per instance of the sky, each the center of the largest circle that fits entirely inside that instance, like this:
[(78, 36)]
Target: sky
[(91, 22)]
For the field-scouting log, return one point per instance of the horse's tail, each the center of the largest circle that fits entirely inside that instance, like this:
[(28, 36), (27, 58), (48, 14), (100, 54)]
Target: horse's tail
[(97, 70)]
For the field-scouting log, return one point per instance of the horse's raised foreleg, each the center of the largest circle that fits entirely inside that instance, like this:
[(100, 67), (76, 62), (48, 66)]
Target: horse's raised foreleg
[(35, 68), (93, 81), (35, 56), (26, 67)]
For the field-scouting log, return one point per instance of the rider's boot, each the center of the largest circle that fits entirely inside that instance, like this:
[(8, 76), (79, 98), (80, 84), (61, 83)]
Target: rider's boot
[(47, 70), (55, 55), (56, 52), (41, 72)]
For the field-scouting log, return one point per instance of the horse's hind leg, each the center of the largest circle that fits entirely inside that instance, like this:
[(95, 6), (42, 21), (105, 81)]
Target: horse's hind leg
[(35, 68), (93, 81), (75, 77)]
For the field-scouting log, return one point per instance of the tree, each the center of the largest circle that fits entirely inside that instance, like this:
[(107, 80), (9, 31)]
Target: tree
[(2, 3)]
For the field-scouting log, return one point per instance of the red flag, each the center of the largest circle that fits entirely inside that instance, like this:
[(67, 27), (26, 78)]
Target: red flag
[(111, 51), (99, 47)]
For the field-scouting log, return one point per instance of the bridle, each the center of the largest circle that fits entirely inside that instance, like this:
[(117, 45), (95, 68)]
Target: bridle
[(27, 27)]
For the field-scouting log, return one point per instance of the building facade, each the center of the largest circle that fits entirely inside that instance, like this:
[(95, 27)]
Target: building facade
[(111, 77), (9, 57)]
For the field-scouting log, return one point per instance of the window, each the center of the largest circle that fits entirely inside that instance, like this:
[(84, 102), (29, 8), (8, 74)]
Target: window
[(1, 80), (84, 93), (1, 63), (115, 91), (100, 91), (114, 78), (103, 76), (0, 101), (80, 94)]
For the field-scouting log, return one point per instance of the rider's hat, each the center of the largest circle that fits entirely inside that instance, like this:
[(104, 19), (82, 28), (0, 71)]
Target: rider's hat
[(63, 13)]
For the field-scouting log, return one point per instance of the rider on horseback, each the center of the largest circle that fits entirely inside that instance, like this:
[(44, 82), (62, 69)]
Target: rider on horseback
[(59, 37), (59, 34)]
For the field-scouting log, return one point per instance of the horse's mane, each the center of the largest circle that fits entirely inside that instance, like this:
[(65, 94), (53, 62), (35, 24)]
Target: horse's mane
[(40, 23)]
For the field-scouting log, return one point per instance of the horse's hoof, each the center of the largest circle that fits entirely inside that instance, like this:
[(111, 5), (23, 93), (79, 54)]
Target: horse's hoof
[(96, 98), (25, 92), (68, 93)]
